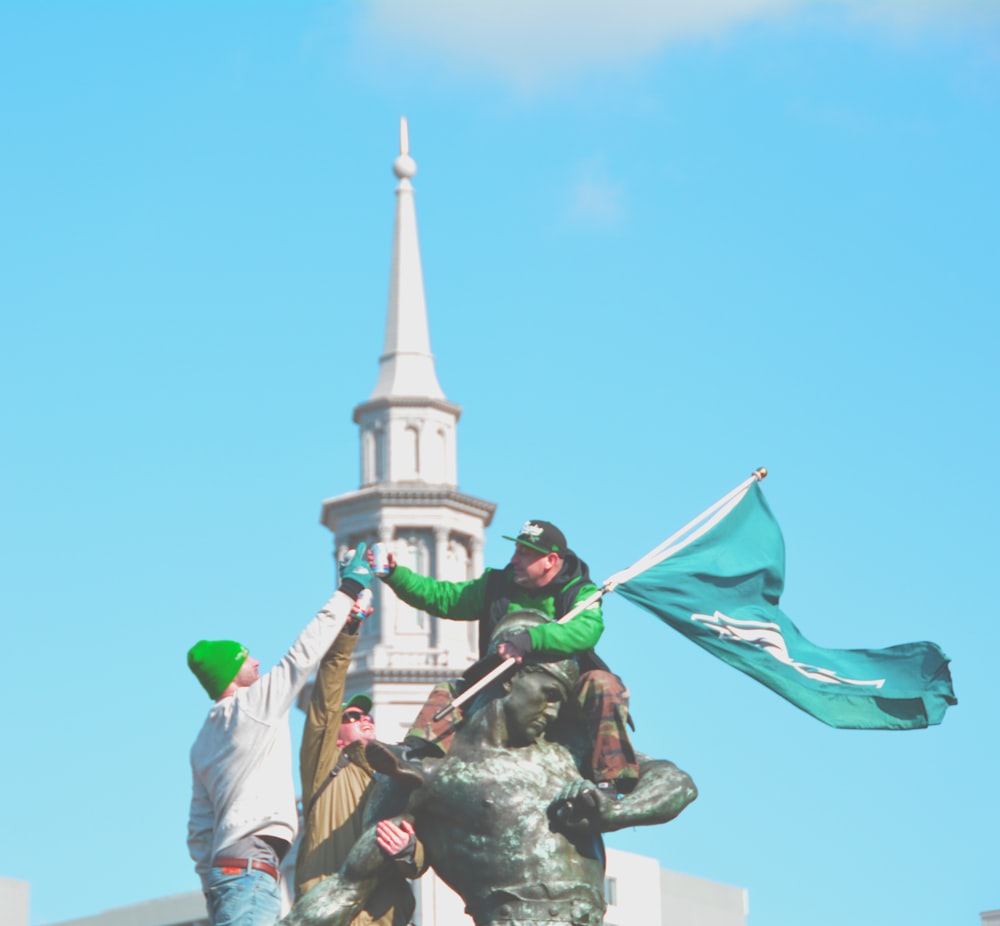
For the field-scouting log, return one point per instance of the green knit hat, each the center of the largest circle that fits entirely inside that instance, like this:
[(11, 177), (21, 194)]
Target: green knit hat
[(215, 663)]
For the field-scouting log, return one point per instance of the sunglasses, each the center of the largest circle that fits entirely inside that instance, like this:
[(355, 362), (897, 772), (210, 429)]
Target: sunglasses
[(355, 717)]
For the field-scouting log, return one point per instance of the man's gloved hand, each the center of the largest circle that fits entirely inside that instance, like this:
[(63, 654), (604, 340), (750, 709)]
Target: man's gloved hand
[(355, 574), (516, 648)]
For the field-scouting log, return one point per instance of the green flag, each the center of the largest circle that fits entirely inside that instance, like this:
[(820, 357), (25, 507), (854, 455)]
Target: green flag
[(722, 592)]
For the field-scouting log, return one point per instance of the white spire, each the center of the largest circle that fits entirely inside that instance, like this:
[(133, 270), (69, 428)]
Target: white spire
[(406, 367)]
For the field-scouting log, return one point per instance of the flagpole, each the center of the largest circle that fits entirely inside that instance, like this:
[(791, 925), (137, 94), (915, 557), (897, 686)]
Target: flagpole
[(695, 527)]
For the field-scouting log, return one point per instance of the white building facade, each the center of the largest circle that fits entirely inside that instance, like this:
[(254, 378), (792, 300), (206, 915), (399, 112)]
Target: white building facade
[(14, 899)]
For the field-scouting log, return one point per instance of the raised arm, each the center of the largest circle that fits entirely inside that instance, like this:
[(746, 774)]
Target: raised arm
[(319, 750), (270, 699), (457, 601)]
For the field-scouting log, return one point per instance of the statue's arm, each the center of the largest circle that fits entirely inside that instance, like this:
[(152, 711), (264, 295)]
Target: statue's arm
[(335, 901), (660, 794)]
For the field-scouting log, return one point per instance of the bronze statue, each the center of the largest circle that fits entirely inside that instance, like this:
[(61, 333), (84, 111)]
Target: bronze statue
[(506, 818)]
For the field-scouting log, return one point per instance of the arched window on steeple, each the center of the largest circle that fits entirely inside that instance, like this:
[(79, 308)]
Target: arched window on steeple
[(412, 451), (368, 461), (381, 454)]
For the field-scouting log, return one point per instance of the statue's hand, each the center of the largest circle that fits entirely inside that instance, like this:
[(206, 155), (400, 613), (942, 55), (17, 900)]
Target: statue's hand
[(579, 808)]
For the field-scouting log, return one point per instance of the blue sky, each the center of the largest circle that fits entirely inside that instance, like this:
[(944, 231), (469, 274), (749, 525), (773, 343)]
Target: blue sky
[(663, 244)]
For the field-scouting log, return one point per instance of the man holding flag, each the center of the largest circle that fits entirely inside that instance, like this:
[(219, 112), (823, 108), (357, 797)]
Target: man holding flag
[(544, 575), (718, 581)]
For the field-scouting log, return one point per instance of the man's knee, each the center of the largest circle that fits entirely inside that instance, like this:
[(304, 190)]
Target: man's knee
[(600, 684)]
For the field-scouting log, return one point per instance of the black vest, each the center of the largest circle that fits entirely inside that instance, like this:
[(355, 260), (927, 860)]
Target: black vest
[(573, 576)]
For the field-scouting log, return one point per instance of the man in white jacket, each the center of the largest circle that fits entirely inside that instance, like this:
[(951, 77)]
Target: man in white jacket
[(243, 815)]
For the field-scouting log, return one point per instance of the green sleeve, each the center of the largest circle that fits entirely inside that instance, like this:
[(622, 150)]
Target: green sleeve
[(457, 601), (577, 635)]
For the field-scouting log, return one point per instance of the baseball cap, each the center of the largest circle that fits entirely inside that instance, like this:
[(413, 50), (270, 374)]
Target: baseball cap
[(542, 536), (359, 700)]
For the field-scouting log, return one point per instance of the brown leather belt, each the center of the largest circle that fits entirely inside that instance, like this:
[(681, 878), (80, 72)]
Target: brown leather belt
[(246, 864)]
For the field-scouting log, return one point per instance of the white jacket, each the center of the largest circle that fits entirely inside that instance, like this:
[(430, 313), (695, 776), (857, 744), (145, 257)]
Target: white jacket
[(241, 761)]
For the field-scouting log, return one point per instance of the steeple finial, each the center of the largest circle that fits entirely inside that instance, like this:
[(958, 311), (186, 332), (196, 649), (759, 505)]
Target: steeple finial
[(404, 166), (406, 367)]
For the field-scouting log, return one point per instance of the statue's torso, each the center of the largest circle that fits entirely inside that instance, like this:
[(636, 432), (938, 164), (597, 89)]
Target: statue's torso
[(483, 818)]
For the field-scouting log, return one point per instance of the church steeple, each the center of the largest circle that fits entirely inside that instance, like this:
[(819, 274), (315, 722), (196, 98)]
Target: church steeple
[(410, 501), (408, 427), (409, 497), (406, 367)]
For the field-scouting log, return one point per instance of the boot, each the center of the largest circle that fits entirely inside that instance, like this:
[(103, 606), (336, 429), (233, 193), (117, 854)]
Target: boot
[(393, 761)]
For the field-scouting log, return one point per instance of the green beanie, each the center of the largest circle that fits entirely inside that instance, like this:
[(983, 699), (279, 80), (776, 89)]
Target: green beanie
[(215, 663)]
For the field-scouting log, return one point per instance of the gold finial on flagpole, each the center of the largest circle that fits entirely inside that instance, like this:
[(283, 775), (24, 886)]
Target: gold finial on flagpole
[(760, 473)]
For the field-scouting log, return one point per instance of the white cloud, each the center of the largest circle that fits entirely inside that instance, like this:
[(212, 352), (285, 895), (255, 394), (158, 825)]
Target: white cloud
[(911, 15), (595, 199), (531, 43)]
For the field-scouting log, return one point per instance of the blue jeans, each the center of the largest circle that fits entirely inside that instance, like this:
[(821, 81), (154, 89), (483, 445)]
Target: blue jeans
[(244, 899)]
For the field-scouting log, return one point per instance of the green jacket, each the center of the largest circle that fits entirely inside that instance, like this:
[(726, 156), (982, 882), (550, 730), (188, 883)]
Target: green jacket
[(477, 600), (333, 821)]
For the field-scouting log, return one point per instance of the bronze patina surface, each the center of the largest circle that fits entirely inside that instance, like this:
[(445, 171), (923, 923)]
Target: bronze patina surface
[(506, 818)]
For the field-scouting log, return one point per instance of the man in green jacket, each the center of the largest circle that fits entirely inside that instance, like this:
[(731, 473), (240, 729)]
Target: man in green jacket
[(543, 575), (336, 784)]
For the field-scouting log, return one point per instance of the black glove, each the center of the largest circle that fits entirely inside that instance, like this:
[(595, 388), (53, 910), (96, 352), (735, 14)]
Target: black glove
[(521, 642)]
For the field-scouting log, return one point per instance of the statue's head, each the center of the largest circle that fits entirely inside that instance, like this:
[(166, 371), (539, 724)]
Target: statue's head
[(536, 690), (563, 667)]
